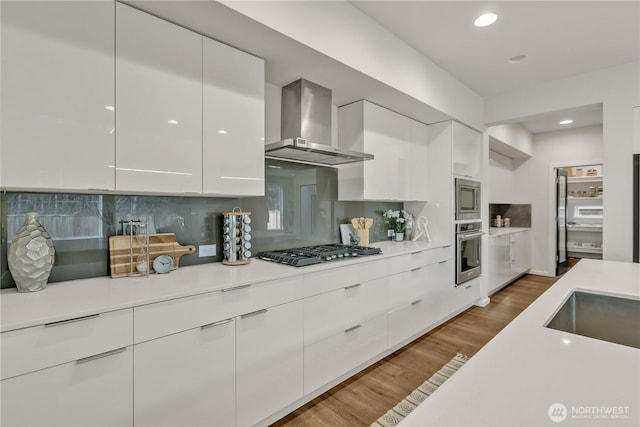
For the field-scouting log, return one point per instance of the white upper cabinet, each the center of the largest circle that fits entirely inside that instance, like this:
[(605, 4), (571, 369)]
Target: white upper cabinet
[(57, 86), (419, 161), (467, 151), (233, 122), (393, 139), (159, 105)]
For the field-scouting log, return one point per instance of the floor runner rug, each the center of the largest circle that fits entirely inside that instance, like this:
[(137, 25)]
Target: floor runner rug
[(417, 396)]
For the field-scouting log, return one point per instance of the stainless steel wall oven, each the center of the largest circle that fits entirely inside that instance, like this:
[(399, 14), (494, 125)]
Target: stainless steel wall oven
[(468, 251)]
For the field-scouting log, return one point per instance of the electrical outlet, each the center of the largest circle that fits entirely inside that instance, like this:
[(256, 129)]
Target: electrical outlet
[(206, 250)]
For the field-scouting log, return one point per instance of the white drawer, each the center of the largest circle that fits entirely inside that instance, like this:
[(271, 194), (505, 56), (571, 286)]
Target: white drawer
[(406, 287), (431, 256), (168, 317), (335, 311), (336, 278), (407, 320), (337, 354), (400, 263), (38, 347), (467, 293)]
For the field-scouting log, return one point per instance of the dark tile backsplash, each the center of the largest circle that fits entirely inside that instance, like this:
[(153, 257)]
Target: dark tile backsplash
[(520, 214), (300, 208)]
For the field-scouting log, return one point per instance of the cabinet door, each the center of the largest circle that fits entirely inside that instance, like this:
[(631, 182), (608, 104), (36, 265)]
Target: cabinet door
[(439, 297), (57, 95), (269, 361), (418, 158), (233, 126), (466, 293), (439, 209), (187, 379), (467, 151), (520, 252), (159, 105), (498, 268), (387, 136), (96, 391), (407, 303)]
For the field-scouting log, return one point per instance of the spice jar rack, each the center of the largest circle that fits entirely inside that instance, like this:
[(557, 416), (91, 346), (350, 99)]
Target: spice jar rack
[(236, 237)]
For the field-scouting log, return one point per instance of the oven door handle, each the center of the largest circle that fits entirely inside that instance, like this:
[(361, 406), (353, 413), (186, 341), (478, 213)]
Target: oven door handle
[(468, 236)]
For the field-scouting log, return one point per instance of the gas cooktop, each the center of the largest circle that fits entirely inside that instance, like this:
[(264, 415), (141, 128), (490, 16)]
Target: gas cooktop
[(308, 255)]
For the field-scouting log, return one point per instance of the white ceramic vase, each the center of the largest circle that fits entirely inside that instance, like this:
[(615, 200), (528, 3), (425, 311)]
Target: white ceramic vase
[(31, 255), (399, 237)]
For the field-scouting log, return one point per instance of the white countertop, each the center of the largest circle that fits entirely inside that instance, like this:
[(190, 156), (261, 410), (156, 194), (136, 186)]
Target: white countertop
[(501, 231), (84, 297), (526, 368)]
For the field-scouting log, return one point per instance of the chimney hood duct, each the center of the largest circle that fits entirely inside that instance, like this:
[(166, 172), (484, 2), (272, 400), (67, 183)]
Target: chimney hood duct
[(306, 128)]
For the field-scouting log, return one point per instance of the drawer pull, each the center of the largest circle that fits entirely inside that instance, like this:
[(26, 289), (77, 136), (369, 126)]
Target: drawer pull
[(218, 323), (416, 269), (416, 253), (236, 288), (75, 319), (445, 247), (418, 301), (353, 328), (101, 355), (346, 288), (467, 287), (442, 262), (254, 313)]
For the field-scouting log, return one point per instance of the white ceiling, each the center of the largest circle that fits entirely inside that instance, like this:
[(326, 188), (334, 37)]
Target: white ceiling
[(560, 38)]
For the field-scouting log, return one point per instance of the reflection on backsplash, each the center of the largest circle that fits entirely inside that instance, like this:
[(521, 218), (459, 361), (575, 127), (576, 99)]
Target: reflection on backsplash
[(299, 208)]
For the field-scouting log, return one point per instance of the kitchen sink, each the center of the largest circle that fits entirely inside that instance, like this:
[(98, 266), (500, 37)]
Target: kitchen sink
[(603, 317)]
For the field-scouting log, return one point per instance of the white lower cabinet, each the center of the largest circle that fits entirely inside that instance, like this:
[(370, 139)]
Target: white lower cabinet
[(269, 361), (187, 379), (343, 329), (498, 269), (520, 252), (421, 297), (92, 391), (509, 257), (465, 294)]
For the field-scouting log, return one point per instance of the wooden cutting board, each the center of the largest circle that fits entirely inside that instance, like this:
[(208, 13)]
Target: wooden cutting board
[(159, 244)]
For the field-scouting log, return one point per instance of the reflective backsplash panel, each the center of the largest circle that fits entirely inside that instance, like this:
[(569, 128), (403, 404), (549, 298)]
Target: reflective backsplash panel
[(300, 207)]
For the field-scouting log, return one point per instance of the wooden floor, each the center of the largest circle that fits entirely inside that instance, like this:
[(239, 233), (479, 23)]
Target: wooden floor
[(363, 398)]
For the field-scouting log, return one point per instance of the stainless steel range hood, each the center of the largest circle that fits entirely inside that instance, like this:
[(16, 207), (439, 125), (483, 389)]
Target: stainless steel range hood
[(306, 128)]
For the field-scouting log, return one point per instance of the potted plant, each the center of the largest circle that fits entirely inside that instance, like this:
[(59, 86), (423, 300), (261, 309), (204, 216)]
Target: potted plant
[(397, 220)]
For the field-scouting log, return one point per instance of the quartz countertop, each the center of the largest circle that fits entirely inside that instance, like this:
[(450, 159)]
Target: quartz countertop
[(516, 378), (501, 231), (84, 297)]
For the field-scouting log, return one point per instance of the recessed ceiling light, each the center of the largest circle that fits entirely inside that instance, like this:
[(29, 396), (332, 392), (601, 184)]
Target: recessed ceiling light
[(172, 122), (485, 19), (566, 122), (517, 58), (222, 132), (110, 108)]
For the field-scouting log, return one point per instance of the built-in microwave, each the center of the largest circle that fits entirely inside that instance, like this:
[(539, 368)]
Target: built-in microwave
[(467, 199)]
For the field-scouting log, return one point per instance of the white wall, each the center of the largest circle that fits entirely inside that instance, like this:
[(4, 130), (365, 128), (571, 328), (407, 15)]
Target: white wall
[(618, 89), (500, 182), (342, 32), (534, 184)]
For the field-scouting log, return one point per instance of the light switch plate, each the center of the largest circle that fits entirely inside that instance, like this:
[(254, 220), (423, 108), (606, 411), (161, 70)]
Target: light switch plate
[(206, 250)]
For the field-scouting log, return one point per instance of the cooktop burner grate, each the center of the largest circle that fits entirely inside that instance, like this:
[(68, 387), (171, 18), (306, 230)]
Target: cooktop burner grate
[(308, 255)]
